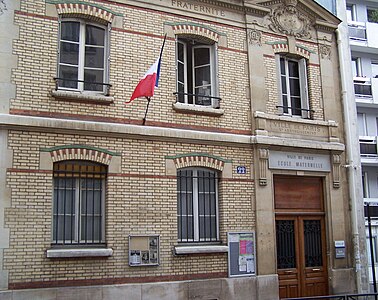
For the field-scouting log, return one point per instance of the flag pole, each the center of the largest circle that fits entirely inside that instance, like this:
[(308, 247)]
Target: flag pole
[(145, 114)]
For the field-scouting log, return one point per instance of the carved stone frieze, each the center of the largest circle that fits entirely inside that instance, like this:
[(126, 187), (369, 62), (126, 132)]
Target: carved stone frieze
[(287, 19), (3, 7), (254, 37)]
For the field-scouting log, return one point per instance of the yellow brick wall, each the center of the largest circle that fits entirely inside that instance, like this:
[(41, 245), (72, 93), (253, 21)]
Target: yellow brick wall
[(134, 205), (134, 47)]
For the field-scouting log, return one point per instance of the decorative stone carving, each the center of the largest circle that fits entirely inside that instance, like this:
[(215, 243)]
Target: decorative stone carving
[(288, 20), (3, 7), (254, 37), (336, 161), (263, 166), (324, 49)]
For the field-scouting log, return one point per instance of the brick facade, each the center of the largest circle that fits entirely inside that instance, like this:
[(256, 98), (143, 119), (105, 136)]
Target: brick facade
[(142, 161)]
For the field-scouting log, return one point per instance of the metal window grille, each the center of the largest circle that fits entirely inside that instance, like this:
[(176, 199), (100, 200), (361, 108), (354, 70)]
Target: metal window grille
[(197, 205), (79, 203)]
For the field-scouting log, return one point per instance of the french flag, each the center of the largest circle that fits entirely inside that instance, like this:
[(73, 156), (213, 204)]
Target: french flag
[(146, 85)]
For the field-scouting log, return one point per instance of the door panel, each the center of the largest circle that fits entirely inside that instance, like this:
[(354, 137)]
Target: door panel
[(301, 256)]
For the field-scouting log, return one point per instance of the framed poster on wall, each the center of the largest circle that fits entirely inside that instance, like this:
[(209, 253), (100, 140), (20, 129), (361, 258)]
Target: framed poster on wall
[(144, 250), (241, 254)]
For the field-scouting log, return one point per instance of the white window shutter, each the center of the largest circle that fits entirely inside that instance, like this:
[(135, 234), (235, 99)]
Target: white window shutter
[(304, 88)]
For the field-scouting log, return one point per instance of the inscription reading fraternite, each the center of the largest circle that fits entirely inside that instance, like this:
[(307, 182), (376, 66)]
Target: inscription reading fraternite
[(198, 8)]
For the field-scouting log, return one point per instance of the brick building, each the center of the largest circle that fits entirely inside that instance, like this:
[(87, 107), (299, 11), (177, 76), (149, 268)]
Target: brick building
[(232, 189)]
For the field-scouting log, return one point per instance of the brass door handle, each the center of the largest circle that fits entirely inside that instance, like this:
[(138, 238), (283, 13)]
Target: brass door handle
[(316, 269)]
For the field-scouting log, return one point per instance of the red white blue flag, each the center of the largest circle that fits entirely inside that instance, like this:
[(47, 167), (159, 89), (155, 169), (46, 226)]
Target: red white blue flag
[(150, 80)]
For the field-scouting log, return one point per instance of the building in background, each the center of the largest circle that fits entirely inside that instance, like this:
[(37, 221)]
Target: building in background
[(362, 19), (236, 186)]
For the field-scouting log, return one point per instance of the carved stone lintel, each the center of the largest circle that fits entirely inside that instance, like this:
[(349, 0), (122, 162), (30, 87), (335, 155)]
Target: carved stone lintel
[(254, 37), (336, 161), (263, 166)]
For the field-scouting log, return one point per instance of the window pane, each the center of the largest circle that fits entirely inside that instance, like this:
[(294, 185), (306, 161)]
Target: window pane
[(94, 36), (70, 76), (180, 52), (95, 76), (185, 205), (70, 31), (282, 66), (207, 228), (185, 228), (296, 106), (69, 53), (94, 57), (283, 85), (293, 68), (372, 15), (201, 56), (90, 228), (374, 69), (285, 104), (294, 87), (202, 76), (180, 72)]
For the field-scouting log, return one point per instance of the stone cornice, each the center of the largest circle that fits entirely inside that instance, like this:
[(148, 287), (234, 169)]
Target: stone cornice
[(66, 126)]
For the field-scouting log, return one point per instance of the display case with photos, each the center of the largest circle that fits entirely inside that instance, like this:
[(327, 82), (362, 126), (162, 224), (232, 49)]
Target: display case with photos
[(144, 250)]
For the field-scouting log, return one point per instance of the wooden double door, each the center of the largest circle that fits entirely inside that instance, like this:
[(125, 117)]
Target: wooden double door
[(300, 237)]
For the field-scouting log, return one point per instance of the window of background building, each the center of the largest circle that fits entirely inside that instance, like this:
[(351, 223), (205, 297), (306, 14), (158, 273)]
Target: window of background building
[(79, 203), (197, 205), (82, 56), (196, 72), (372, 14), (361, 120), (293, 81), (356, 67), (374, 240), (374, 68), (351, 13), (365, 185)]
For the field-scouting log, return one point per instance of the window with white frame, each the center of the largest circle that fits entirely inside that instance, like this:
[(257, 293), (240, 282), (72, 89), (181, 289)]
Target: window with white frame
[(197, 205), (361, 121), (78, 203), (83, 56), (365, 185), (356, 67), (351, 13), (196, 72), (293, 87), (374, 68)]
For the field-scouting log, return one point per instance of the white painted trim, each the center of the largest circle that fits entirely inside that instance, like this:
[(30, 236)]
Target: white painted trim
[(200, 249), (94, 252)]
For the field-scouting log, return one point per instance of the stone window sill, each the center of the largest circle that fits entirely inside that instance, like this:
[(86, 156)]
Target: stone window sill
[(197, 109), (82, 97), (179, 250), (91, 252)]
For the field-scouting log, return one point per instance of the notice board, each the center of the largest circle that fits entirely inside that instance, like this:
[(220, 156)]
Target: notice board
[(241, 254)]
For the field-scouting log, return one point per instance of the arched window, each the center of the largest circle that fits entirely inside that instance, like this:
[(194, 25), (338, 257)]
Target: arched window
[(197, 205), (79, 203)]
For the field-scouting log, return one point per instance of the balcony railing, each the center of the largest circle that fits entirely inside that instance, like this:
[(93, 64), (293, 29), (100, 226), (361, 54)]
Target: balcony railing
[(357, 31), (362, 87), (368, 147)]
